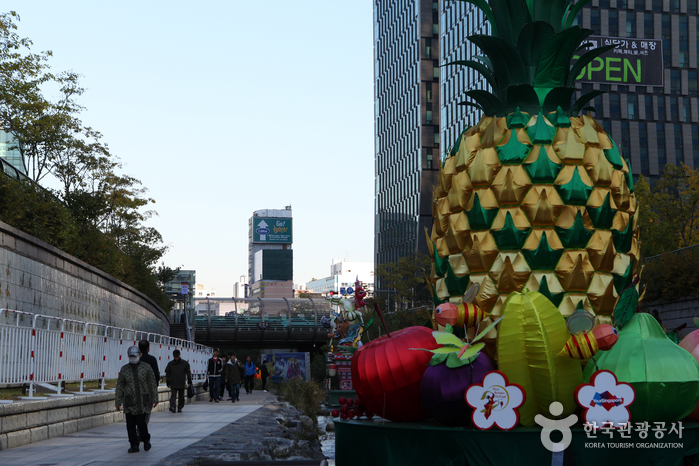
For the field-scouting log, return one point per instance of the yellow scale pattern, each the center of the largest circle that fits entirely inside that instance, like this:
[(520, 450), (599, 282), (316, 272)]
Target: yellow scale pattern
[(584, 274)]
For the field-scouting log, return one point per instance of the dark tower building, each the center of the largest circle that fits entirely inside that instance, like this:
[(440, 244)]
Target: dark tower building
[(654, 125), (406, 104)]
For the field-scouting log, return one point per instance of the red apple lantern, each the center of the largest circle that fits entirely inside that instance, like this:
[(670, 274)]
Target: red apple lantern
[(386, 374)]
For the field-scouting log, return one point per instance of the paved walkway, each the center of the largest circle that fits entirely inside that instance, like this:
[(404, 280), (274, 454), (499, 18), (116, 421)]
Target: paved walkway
[(108, 444)]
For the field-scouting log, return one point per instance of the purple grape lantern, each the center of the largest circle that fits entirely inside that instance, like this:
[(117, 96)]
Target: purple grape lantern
[(442, 389)]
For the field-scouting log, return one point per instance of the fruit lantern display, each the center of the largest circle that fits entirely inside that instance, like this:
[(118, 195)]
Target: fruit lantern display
[(536, 194)]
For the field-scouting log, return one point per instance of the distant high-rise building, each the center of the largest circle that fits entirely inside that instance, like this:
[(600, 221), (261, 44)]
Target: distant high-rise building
[(406, 125), (654, 125), (270, 259)]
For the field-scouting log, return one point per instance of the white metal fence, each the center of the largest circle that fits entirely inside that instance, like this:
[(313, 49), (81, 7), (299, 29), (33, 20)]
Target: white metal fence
[(42, 350)]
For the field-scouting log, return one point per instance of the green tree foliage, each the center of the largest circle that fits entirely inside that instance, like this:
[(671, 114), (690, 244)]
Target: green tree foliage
[(669, 220), (97, 215), (403, 282)]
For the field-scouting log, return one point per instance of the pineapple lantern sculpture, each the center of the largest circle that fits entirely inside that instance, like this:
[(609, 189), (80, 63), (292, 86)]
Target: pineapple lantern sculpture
[(535, 195)]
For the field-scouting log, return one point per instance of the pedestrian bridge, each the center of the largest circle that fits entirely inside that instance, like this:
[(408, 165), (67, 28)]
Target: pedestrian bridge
[(261, 322)]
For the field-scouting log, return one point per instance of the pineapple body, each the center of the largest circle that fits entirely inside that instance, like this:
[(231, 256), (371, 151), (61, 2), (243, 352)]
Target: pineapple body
[(538, 201)]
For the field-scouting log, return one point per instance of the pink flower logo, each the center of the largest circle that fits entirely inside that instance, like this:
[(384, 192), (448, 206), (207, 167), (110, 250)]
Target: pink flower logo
[(495, 402)]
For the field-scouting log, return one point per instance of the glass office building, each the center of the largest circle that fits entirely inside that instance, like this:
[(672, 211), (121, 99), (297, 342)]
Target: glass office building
[(653, 125), (9, 153), (406, 104)]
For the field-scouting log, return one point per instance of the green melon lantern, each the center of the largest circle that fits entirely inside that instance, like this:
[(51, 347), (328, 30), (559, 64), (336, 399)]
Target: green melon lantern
[(664, 376)]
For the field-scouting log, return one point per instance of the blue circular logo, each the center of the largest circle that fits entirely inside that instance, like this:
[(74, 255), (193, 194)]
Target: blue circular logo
[(262, 231)]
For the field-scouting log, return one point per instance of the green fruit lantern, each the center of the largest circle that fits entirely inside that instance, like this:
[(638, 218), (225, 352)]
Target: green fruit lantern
[(664, 376)]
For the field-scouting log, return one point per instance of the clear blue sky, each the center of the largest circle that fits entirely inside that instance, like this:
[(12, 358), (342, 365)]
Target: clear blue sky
[(221, 108)]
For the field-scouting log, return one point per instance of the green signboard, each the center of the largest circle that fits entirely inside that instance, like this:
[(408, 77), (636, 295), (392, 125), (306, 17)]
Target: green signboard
[(271, 230), (632, 62)]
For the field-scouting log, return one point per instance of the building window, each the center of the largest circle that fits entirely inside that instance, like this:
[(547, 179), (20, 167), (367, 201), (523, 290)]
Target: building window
[(695, 145), (428, 48), (630, 24), (614, 23), (684, 42), (649, 106), (679, 144), (692, 7), (692, 82), (614, 106), (674, 6), (604, 3), (625, 138), (607, 125), (622, 4), (686, 110), (594, 21), (675, 82), (660, 138), (661, 108), (648, 25), (657, 5), (643, 147), (632, 106), (674, 109)]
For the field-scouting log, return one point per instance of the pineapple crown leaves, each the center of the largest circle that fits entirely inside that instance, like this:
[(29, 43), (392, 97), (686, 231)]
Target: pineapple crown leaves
[(455, 352), (527, 57)]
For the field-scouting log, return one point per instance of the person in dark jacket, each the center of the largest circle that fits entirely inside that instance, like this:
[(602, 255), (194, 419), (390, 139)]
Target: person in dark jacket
[(177, 374), (144, 347), (233, 377), (136, 393), (250, 371), (264, 373), (213, 372)]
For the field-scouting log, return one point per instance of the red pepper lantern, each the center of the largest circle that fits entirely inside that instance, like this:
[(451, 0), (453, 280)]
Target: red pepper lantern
[(386, 373)]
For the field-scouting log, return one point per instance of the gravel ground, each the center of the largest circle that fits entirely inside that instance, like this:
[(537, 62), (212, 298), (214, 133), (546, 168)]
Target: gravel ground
[(277, 431)]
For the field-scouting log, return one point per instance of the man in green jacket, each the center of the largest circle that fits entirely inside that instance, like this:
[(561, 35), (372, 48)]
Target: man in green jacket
[(137, 393), (232, 377)]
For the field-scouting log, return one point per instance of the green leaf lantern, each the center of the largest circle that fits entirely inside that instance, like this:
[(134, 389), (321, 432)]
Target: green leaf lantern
[(664, 376)]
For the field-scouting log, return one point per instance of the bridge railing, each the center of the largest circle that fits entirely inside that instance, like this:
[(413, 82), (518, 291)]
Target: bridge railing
[(263, 320), (42, 350)]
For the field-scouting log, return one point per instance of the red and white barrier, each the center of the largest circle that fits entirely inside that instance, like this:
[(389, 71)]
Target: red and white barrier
[(38, 349)]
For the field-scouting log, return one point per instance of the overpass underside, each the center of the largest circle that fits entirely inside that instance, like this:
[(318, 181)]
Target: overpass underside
[(262, 323)]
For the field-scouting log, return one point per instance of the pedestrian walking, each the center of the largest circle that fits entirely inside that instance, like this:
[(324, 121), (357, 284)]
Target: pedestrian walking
[(136, 393), (264, 373), (144, 347), (250, 371), (233, 377), (224, 385), (177, 375), (213, 372)]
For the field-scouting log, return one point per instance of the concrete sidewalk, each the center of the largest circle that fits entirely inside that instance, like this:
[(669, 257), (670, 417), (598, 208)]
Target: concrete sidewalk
[(109, 444)]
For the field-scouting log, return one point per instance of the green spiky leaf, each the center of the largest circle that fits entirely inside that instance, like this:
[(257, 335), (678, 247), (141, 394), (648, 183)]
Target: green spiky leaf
[(485, 8), (511, 16), (554, 66), (573, 12), (584, 99), (585, 60), (487, 101), (626, 306), (532, 41), (507, 65), (558, 97), (438, 359), (486, 330), (446, 338), (479, 67), (522, 96)]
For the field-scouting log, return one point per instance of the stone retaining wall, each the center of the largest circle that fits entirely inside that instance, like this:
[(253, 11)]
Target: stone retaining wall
[(32, 421), (39, 278), (675, 313)]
